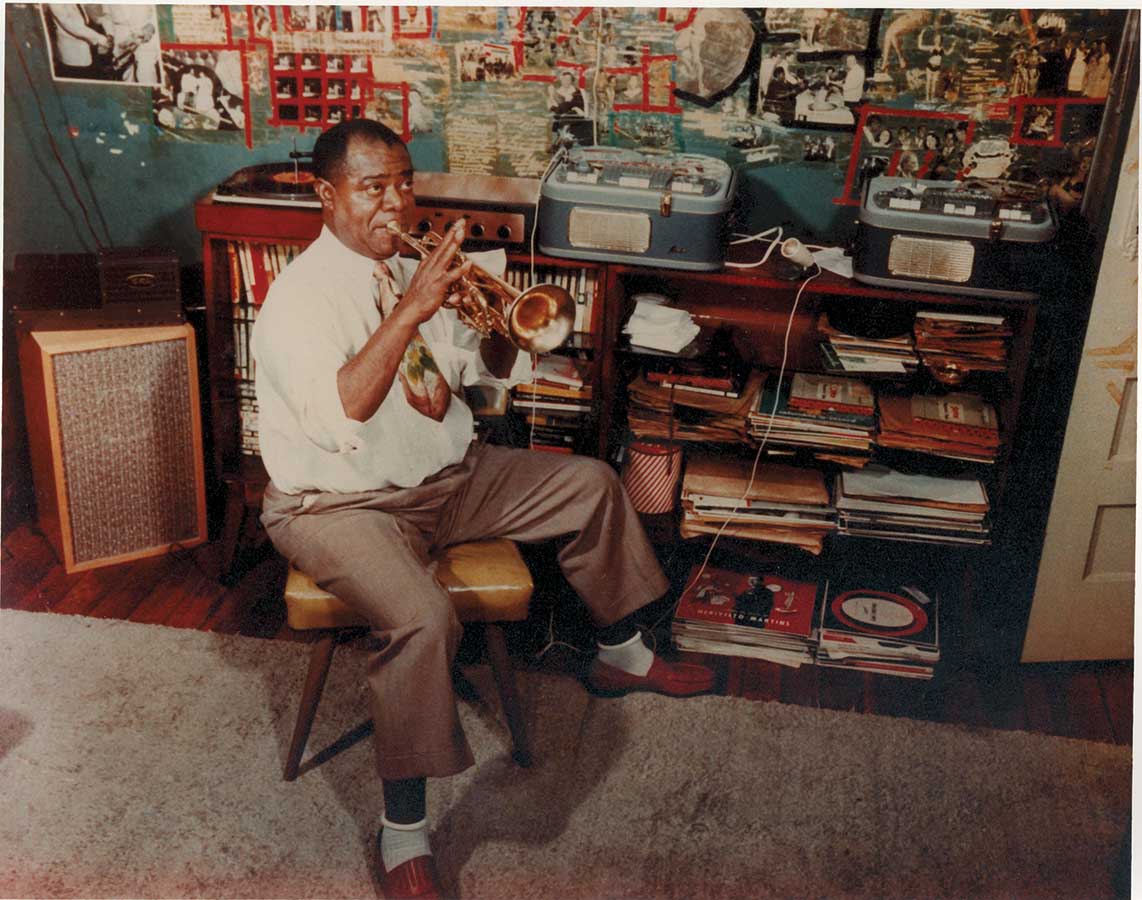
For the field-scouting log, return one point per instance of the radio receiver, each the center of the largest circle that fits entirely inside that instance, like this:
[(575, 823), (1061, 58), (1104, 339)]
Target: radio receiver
[(659, 209)]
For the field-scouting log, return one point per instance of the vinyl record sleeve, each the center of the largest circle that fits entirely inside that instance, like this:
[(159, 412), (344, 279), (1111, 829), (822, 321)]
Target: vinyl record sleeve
[(763, 601), (879, 615)]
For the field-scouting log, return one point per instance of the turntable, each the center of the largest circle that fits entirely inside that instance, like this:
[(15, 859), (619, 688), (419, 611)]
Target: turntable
[(275, 184)]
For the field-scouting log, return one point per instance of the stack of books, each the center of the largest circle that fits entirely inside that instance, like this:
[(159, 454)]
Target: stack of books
[(852, 353), (831, 416), (883, 503), (782, 504), (883, 627), (554, 404), (957, 426), (955, 344), (760, 616)]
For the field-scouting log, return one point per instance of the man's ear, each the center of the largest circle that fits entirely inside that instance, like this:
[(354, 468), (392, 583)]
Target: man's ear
[(324, 192)]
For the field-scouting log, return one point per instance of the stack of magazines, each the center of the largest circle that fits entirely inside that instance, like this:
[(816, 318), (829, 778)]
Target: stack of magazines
[(780, 503), (883, 503), (854, 353), (761, 616), (831, 416), (889, 628), (958, 426)]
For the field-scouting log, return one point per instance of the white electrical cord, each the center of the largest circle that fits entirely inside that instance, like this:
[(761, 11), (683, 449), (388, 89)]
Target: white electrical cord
[(763, 237), (757, 456)]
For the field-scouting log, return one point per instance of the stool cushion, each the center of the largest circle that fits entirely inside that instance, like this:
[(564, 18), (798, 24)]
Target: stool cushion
[(486, 580)]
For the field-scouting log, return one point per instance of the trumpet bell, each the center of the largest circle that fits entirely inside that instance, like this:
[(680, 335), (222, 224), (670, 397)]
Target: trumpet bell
[(541, 318)]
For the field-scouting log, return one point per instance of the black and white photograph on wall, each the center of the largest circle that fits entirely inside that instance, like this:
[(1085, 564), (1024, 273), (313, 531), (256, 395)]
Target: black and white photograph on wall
[(116, 43), (820, 30), (378, 19), (571, 122), (261, 24), (1037, 125), (485, 61), (819, 92), (298, 18), (202, 91), (819, 149), (982, 58), (414, 21), (285, 61), (914, 143)]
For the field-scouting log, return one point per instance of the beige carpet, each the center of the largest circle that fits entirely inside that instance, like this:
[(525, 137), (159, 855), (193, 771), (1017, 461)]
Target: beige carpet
[(142, 761)]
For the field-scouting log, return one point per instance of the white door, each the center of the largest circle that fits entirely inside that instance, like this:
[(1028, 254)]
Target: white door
[(1084, 597)]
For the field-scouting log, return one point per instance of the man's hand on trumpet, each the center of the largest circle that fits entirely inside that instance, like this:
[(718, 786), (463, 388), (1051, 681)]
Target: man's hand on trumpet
[(431, 285)]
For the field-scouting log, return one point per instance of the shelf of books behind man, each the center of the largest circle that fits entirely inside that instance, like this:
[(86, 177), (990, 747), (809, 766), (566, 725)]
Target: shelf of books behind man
[(561, 408)]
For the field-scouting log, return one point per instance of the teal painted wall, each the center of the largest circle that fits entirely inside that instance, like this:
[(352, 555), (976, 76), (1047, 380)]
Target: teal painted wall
[(140, 195)]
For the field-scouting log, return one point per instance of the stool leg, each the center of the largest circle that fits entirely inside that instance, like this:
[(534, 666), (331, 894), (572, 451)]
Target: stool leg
[(509, 697), (319, 659)]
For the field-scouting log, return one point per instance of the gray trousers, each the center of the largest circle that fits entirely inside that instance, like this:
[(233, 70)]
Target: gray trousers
[(372, 549)]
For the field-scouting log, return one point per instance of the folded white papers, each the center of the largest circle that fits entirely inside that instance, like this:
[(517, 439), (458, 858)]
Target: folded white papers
[(660, 327)]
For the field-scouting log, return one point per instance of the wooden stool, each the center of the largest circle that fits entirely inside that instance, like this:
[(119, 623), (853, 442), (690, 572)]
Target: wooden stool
[(487, 582)]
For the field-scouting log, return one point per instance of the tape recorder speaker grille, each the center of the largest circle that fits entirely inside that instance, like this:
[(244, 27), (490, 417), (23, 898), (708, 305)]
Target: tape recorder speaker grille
[(937, 260), (600, 229)]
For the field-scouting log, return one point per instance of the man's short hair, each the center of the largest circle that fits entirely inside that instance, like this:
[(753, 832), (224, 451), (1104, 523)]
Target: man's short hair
[(330, 148)]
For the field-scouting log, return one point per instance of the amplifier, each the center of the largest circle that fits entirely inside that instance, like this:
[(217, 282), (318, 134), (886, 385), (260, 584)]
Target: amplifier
[(656, 209), (499, 210), (138, 277), (974, 238), (113, 288)]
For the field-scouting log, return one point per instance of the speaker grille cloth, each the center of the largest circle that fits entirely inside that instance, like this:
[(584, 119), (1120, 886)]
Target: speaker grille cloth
[(608, 230), (128, 448), (927, 258)]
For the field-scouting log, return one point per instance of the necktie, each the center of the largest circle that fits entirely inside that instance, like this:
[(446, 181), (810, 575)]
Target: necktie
[(424, 385)]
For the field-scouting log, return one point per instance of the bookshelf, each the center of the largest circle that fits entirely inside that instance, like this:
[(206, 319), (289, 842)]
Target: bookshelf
[(755, 306)]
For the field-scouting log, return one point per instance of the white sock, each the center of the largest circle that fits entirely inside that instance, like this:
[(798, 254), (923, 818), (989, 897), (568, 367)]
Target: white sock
[(400, 843), (632, 655)]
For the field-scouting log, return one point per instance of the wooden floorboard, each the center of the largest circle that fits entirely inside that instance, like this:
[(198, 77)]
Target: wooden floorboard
[(1087, 715), (1117, 685), (1093, 701)]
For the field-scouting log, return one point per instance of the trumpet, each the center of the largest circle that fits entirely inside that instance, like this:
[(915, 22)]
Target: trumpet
[(536, 320)]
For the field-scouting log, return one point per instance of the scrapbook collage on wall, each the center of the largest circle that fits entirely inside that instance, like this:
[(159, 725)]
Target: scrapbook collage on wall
[(940, 94)]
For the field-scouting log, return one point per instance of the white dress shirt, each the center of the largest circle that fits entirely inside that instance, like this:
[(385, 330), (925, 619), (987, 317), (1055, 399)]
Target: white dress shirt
[(317, 316)]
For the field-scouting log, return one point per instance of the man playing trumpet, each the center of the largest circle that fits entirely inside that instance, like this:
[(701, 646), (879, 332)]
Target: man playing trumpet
[(368, 444)]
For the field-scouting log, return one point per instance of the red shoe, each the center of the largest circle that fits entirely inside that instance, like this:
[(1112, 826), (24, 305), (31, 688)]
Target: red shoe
[(674, 679), (414, 878)]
